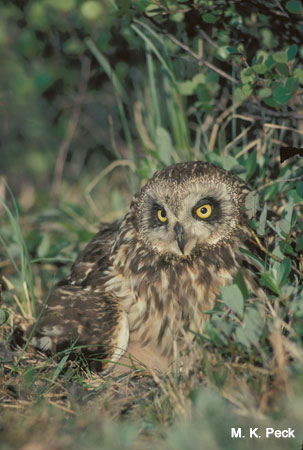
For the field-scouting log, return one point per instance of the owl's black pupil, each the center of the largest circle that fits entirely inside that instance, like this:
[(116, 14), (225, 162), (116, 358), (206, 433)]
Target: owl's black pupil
[(163, 213), (204, 210)]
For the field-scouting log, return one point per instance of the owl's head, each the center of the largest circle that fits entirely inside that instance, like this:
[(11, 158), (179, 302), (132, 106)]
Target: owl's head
[(188, 206)]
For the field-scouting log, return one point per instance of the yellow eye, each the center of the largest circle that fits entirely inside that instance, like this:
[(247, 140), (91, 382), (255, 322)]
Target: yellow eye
[(161, 214), (204, 211)]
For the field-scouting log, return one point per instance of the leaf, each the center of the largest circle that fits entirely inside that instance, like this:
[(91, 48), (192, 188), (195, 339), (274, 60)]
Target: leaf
[(242, 338), (298, 73), (253, 325), (4, 315), (251, 165), (280, 57), (281, 95), (247, 89), (268, 280), (271, 191), (203, 93), (253, 257), (233, 298), (164, 145), (293, 194), (233, 50), (265, 92), (294, 6), (262, 221), (209, 18), (251, 203), (239, 280), (247, 75), (299, 189), (270, 63), (283, 69), (292, 84), (283, 271), (260, 69), (292, 51), (152, 10), (299, 244), (286, 248)]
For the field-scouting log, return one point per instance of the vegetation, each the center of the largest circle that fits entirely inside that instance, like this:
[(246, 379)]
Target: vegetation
[(95, 96)]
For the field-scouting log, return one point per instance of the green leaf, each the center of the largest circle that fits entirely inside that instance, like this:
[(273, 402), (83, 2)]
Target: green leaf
[(292, 51), (286, 248), (242, 338), (268, 280), (281, 95), (280, 57), (294, 7), (270, 102), (203, 93), (251, 165), (251, 203), (262, 221), (253, 257), (298, 73), (233, 50), (299, 189), (299, 244), (152, 10), (283, 69), (247, 89), (288, 212), (270, 63), (4, 315), (233, 298), (187, 87), (292, 84), (260, 69), (283, 271), (239, 280), (271, 191), (247, 75), (209, 18), (253, 326), (293, 194), (91, 9), (265, 92), (164, 145)]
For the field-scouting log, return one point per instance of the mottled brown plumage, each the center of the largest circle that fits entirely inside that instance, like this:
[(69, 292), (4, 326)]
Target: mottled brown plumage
[(140, 283)]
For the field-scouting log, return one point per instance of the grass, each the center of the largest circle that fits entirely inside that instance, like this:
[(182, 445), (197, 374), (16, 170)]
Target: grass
[(244, 371)]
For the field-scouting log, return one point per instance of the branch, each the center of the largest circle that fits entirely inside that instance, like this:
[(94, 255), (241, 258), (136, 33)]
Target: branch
[(264, 250)]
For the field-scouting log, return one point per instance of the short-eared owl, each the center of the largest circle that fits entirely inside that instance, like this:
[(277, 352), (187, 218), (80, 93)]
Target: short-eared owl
[(140, 283)]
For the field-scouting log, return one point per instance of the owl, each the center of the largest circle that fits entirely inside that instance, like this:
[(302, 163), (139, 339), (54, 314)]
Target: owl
[(143, 287)]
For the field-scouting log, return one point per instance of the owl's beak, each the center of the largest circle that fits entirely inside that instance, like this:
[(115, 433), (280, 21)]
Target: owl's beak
[(178, 229)]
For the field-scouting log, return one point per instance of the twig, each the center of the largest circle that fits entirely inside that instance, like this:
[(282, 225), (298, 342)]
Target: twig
[(10, 287), (70, 411), (218, 122), (102, 174), (267, 252), (72, 126), (279, 180), (283, 127), (201, 60)]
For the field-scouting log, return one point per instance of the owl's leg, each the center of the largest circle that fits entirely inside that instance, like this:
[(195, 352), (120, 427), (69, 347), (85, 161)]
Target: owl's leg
[(83, 322)]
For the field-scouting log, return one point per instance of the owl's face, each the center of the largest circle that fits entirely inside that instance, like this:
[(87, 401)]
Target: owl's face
[(189, 206)]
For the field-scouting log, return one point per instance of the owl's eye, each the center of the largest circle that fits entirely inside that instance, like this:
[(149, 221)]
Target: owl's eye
[(161, 215), (204, 211)]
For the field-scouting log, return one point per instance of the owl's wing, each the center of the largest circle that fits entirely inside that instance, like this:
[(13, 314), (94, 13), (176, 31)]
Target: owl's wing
[(79, 315), (94, 258)]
